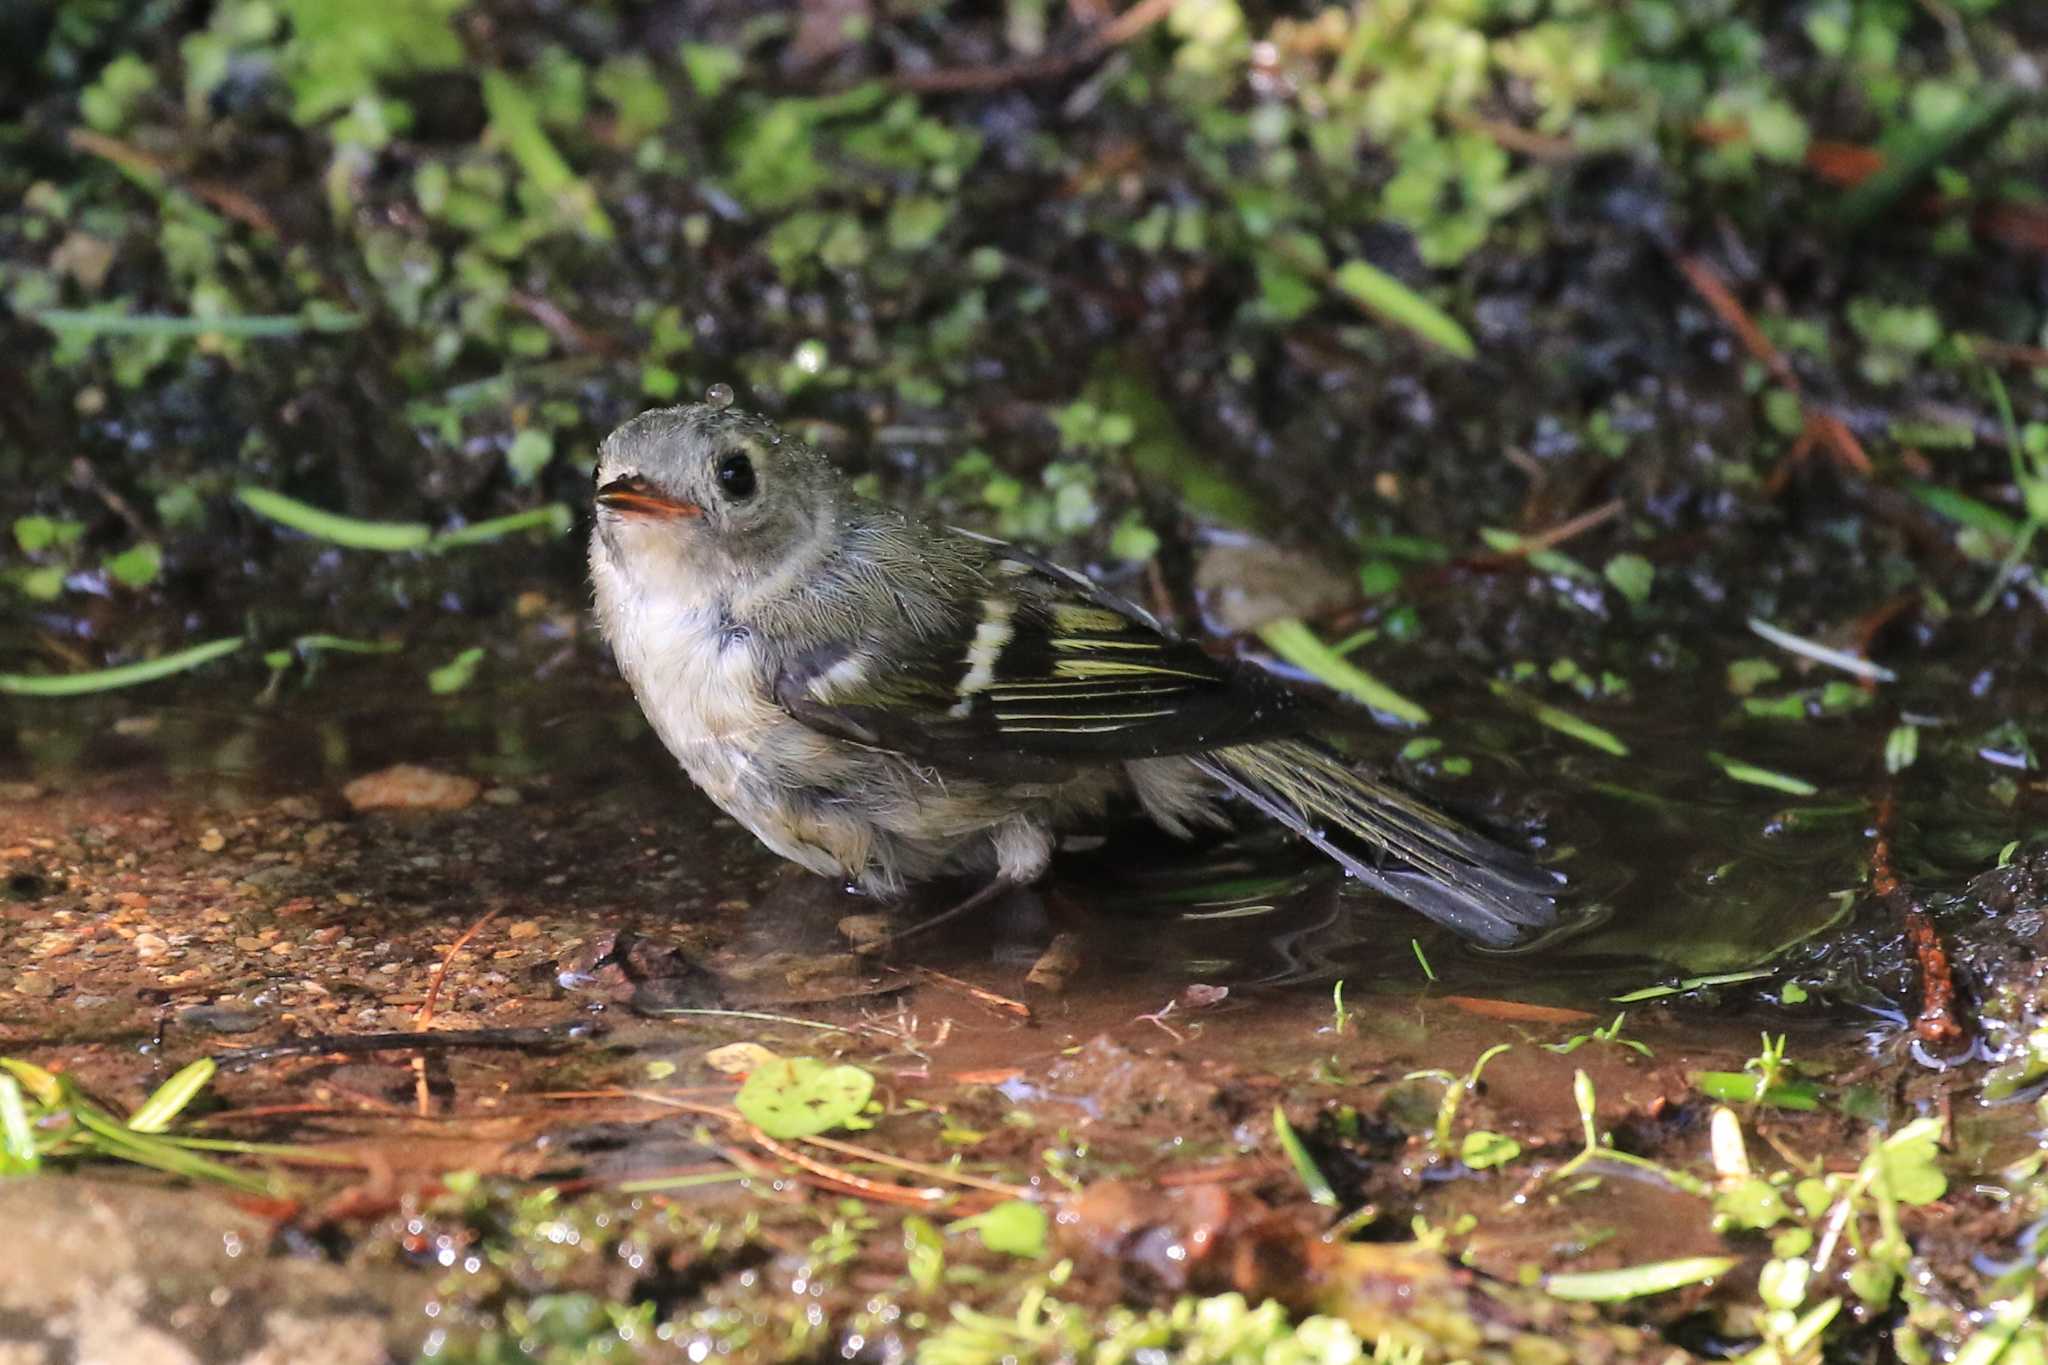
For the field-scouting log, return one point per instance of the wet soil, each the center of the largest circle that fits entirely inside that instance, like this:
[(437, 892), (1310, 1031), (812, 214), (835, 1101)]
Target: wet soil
[(186, 877)]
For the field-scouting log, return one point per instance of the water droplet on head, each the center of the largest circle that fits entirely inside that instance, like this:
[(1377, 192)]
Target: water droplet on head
[(718, 396)]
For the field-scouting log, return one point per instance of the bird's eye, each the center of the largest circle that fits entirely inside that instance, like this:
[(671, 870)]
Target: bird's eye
[(736, 476)]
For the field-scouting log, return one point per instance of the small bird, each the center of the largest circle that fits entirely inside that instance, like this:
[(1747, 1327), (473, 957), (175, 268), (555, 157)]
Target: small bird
[(884, 700)]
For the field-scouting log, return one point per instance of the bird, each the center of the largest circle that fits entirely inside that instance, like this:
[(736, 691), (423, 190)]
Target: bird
[(885, 700)]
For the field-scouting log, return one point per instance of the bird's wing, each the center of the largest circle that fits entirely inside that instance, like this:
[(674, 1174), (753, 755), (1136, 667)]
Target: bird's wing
[(1044, 671)]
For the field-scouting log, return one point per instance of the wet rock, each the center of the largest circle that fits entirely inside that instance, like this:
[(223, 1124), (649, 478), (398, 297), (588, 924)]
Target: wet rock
[(648, 974), (1118, 1085), (1245, 584), (145, 1276), (406, 786)]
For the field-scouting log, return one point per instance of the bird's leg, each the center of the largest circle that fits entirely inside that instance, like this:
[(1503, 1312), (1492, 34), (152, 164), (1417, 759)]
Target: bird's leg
[(994, 890)]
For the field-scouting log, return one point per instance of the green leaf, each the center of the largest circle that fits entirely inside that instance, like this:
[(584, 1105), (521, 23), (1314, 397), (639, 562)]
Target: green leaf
[(1380, 293), (1015, 1226), (1632, 576), (1912, 1169), (170, 1099), (802, 1096), (457, 673), (529, 454), (916, 220), (710, 68), (107, 679), (1292, 640), (515, 118), (1752, 1204), (1312, 1178), (1635, 1282), (1745, 1087), (1901, 748), (1741, 771), (1482, 1149), (35, 534), (137, 566)]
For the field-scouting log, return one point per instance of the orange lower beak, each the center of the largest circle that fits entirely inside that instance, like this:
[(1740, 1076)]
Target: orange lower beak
[(637, 500)]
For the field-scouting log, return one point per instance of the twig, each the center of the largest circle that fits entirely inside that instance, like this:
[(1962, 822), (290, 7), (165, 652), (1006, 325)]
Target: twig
[(1117, 32), (424, 1018), (987, 997), (229, 201)]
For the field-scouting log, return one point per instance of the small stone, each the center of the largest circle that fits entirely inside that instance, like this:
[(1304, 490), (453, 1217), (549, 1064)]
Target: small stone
[(525, 928), (20, 791), (151, 945), (737, 1059), (864, 932), (34, 985), (406, 786), (503, 796), (249, 943), (213, 841)]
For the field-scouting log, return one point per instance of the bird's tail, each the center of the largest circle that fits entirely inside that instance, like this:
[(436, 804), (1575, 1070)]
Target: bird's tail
[(1391, 841)]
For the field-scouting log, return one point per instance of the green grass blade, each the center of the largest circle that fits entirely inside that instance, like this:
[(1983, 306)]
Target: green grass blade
[(107, 679), (1381, 294), (18, 1152), (1562, 721), (1312, 1179), (350, 533), (341, 644), (113, 1138), (157, 1112), (162, 325), (1292, 640), (1762, 777), (1635, 1282), (555, 518)]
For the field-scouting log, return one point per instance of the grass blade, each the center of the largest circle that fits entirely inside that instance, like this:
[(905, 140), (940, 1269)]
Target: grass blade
[(554, 518), (107, 679), (1762, 777), (1312, 1179), (1563, 721), (350, 533), (18, 1153), (1635, 1282), (1810, 649), (1292, 640), (167, 325), (170, 1099), (1392, 301)]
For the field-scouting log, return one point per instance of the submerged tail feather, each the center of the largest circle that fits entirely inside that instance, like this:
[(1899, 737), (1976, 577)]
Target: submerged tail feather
[(1391, 841)]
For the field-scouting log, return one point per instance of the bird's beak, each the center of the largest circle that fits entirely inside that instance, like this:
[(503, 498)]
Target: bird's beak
[(634, 497)]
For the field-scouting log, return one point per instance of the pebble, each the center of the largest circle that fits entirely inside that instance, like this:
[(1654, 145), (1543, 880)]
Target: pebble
[(407, 786), (213, 841), (34, 984)]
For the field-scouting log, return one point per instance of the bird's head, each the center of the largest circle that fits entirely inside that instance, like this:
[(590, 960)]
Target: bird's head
[(708, 489)]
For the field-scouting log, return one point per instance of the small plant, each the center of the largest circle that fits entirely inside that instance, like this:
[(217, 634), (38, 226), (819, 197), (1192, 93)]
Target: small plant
[(1456, 1088), (45, 1118), (1610, 1035)]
